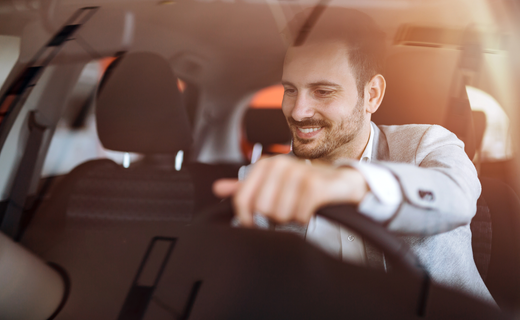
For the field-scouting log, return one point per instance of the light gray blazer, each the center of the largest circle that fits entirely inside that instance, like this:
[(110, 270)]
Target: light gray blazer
[(440, 190)]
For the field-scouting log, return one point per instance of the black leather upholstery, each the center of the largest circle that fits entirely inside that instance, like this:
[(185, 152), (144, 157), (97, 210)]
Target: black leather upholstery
[(104, 190), (482, 235), (503, 276), (139, 107), (266, 126)]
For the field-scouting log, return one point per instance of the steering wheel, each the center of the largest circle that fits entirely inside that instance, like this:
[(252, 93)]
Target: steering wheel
[(395, 250)]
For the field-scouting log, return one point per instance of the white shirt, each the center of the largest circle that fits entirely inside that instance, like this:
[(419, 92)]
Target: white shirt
[(380, 204)]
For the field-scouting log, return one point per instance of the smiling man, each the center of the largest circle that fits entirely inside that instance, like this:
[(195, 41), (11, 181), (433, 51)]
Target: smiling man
[(414, 179), (325, 112)]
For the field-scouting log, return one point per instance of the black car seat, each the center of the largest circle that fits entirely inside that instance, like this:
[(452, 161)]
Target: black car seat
[(419, 85), (99, 218), (139, 109), (503, 276), (265, 108), (255, 122)]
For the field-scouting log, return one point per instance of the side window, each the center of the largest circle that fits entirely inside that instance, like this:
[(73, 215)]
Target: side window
[(9, 52), (496, 142)]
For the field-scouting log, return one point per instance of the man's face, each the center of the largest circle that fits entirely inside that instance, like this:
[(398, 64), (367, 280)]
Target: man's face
[(321, 100)]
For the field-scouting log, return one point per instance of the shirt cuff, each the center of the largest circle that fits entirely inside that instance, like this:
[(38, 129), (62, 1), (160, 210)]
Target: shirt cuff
[(385, 195)]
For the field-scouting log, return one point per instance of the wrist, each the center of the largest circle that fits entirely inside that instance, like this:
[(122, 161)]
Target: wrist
[(355, 185)]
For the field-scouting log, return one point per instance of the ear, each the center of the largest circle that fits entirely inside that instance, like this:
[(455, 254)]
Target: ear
[(374, 93)]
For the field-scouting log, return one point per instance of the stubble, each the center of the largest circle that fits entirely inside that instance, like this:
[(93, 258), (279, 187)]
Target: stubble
[(335, 136)]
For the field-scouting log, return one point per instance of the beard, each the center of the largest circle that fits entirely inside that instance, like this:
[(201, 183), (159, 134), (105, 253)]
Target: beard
[(334, 135)]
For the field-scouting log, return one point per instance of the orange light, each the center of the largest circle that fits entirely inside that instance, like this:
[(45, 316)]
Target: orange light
[(105, 62), (268, 98), (279, 148), (7, 103), (181, 85)]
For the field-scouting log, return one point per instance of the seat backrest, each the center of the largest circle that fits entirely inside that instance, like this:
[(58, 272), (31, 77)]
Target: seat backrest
[(266, 126), (139, 109), (482, 235), (418, 85), (503, 276), (419, 89)]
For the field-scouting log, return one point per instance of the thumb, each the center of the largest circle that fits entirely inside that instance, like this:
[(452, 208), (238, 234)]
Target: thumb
[(223, 188)]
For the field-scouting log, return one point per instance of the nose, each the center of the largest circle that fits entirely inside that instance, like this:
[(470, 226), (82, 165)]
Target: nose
[(302, 108)]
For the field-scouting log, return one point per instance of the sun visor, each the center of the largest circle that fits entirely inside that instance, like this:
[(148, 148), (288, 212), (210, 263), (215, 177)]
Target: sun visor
[(108, 30)]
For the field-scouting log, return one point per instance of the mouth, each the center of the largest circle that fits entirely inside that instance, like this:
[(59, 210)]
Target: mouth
[(308, 132)]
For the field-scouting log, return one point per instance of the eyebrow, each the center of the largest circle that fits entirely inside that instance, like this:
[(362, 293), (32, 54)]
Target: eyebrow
[(315, 84), (324, 83)]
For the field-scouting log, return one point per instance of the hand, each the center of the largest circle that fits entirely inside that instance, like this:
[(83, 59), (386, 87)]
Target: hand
[(287, 189)]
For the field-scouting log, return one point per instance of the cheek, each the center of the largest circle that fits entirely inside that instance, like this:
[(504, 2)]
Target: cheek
[(334, 112)]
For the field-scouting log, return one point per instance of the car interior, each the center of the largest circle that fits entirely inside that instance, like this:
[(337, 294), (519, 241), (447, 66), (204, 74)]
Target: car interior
[(116, 118)]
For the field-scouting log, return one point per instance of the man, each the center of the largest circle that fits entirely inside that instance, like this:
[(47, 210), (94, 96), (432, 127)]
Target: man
[(414, 179)]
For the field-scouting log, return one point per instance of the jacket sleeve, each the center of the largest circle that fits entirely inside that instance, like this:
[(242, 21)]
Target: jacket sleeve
[(439, 191)]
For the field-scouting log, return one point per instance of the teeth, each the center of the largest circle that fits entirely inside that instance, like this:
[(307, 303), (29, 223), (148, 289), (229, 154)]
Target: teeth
[(308, 130)]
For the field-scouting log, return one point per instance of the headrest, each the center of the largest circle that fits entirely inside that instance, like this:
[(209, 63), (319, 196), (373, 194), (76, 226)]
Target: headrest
[(266, 126), (419, 88), (139, 107)]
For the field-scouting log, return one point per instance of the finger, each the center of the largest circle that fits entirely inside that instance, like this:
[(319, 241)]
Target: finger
[(287, 198), (223, 188), (265, 198), (243, 197)]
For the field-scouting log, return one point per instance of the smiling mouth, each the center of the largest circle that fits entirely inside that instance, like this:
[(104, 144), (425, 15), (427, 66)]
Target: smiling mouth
[(309, 130)]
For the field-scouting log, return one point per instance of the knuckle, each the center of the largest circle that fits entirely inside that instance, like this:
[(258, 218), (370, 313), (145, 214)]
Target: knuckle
[(240, 201), (262, 206), (281, 218)]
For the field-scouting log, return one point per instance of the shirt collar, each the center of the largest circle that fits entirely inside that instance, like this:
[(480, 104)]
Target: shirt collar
[(367, 153)]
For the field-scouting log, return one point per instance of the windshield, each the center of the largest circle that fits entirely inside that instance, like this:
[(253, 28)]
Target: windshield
[(117, 118)]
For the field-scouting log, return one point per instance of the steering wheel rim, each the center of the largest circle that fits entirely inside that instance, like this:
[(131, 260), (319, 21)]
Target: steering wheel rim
[(395, 250)]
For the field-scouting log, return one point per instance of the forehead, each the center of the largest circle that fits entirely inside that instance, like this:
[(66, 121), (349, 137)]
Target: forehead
[(317, 62)]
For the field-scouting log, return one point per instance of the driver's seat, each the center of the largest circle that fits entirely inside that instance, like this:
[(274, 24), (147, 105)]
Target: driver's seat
[(503, 276), (419, 83)]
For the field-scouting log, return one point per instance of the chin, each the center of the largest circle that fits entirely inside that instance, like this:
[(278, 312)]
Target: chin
[(305, 151)]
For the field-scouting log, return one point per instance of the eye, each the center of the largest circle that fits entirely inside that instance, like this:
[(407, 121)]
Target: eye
[(323, 93), (289, 91)]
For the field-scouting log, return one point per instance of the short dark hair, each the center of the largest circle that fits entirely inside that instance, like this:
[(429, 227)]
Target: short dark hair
[(364, 39)]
